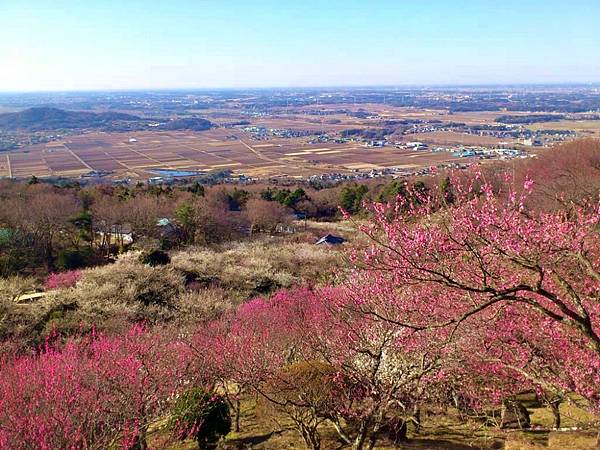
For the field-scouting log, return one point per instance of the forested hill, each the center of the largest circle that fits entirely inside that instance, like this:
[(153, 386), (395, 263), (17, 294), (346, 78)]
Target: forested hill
[(47, 118)]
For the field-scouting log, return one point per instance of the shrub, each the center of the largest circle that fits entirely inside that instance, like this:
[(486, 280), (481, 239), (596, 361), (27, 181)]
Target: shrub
[(206, 304), (73, 259), (124, 292), (133, 283), (258, 267), (155, 258), (12, 287), (62, 280), (202, 415)]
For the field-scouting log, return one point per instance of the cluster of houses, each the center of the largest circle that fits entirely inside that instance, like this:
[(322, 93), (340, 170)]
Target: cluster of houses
[(328, 139), (375, 143), (500, 131), (414, 145), (261, 133), (467, 151), (489, 153), (393, 172)]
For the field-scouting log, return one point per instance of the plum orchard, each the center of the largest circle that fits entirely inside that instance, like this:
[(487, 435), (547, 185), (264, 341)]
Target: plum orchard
[(520, 286), (94, 393), (466, 301)]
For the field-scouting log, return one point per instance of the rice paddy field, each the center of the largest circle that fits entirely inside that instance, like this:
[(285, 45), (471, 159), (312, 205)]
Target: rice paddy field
[(135, 155)]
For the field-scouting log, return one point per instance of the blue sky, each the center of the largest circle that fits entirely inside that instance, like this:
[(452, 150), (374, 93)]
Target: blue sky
[(125, 44)]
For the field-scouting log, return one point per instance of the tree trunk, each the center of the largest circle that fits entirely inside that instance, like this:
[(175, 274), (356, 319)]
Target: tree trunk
[(237, 415), (417, 418), (311, 437), (400, 432), (91, 235), (48, 255), (361, 437), (338, 428), (555, 408)]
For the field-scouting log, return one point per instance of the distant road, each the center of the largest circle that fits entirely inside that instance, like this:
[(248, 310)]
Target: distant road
[(282, 162), (260, 155), (76, 156)]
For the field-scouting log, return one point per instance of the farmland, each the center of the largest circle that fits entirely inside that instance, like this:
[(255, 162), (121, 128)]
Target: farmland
[(280, 134), (136, 154), (213, 150)]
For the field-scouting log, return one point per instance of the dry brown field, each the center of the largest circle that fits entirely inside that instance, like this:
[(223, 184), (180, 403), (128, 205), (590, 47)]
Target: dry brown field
[(210, 150), (590, 128), (136, 154)]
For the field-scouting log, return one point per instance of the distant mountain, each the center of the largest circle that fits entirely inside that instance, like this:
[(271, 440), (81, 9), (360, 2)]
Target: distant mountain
[(47, 118), (44, 118), (192, 123)]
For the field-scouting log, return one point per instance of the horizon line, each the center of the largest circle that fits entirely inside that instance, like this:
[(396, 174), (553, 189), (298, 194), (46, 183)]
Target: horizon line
[(310, 87)]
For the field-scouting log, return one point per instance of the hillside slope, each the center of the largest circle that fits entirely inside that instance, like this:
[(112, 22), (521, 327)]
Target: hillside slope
[(47, 118)]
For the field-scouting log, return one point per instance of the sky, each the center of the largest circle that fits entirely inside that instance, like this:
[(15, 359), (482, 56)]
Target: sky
[(147, 44)]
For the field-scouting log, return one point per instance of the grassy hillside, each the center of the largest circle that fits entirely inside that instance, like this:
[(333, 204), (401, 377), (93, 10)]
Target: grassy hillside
[(198, 284)]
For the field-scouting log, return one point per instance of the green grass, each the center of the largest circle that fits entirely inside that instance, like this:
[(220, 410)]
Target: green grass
[(440, 431), (571, 416)]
